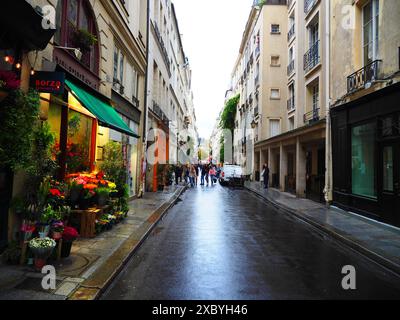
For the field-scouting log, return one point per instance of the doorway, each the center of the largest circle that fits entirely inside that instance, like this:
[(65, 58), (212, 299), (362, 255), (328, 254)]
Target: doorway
[(390, 182)]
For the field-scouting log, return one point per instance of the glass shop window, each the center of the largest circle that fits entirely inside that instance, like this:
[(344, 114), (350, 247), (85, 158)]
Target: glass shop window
[(364, 160)]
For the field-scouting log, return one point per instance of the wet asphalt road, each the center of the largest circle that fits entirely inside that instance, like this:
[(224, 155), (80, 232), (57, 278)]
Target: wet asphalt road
[(227, 244)]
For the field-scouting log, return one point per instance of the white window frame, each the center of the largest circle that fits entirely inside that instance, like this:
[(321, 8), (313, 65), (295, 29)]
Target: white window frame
[(271, 131), (375, 30)]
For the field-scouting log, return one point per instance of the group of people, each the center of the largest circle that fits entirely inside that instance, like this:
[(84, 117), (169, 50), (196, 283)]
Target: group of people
[(189, 173)]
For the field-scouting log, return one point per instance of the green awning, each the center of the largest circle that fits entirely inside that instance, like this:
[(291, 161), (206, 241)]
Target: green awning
[(104, 112)]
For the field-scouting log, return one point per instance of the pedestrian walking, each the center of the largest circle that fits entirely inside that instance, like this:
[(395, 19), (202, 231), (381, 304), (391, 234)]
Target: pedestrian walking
[(192, 176), (206, 173), (265, 175), (202, 173), (212, 174)]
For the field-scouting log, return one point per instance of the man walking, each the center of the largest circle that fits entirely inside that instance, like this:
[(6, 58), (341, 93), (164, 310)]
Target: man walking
[(265, 175)]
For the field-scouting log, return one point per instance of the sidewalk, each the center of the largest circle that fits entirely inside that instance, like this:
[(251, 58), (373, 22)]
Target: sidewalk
[(93, 262), (375, 240)]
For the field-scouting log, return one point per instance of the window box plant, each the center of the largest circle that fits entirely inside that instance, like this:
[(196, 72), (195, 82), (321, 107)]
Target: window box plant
[(84, 39)]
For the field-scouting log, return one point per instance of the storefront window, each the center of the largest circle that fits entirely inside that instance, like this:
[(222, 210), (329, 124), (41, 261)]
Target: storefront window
[(364, 160), (79, 140)]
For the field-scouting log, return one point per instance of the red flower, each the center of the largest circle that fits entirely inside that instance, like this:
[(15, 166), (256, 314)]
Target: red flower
[(55, 192), (70, 234)]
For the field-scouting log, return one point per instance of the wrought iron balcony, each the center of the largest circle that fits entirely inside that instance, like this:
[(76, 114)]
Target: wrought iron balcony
[(360, 78), (309, 5), (255, 111), (257, 52), (291, 104), (312, 57), (290, 68), (291, 32), (162, 44), (312, 116)]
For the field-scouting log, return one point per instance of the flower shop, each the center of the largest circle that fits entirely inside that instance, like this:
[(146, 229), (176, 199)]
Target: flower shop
[(66, 195)]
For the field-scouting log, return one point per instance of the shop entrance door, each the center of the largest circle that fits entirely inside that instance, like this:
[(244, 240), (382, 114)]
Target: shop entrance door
[(5, 196), (391, 183)]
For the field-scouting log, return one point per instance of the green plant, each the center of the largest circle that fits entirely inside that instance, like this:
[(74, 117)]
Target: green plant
[(49, 214), (12, 254), (113, 165), (103, 191), (228, 117), (85, 39), (18, 117)]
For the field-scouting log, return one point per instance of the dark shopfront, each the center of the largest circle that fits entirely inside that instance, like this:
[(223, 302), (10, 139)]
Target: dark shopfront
[(366, 155)]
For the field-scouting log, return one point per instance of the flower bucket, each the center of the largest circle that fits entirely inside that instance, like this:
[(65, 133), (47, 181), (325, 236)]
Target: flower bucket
[(66, 249), (41, 249), (56, 235), (43, 231)]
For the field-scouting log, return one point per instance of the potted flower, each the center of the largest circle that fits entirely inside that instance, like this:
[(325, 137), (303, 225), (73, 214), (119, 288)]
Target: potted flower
[(103, 195), (69, 235), (42, 249), (57, 229), (87, 196), (47, 216), (27, 230)]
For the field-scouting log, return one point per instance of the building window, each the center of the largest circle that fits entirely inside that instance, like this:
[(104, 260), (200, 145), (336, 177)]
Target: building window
[(370, 31), (275, 28), (275, 61), (275, 94), (77, 17), (315, 97), (274, 127), (291, 123), (364, 160), (118, 76)]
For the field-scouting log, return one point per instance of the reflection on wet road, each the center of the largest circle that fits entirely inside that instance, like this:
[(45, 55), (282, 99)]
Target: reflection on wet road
[(221, 243)]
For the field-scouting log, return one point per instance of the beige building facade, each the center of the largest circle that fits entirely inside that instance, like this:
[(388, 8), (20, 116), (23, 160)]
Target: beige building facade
[(365, 109)]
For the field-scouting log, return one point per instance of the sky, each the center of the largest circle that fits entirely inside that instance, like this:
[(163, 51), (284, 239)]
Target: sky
[(211, 32)]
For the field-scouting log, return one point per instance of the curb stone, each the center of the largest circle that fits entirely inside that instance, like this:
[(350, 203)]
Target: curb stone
[(99, 281), (375, 257)]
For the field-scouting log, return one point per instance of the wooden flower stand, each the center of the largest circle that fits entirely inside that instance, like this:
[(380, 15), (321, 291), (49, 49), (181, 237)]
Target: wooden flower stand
[(87, 220)]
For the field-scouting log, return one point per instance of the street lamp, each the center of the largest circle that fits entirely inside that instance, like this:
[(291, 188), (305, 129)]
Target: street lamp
[(253, 124)]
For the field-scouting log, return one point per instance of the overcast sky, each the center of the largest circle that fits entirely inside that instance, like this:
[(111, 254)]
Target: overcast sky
[(211, 34)]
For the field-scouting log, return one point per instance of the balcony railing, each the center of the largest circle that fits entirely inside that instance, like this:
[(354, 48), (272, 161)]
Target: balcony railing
[(255, 111), (290, 68), (312, 57), (309, 5), (291, 32), (360, 78), (257, 52), (163, 47), (291, 104), (311, 116)]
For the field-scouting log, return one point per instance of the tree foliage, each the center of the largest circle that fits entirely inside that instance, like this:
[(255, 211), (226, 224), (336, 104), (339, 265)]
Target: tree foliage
[(228, 116)]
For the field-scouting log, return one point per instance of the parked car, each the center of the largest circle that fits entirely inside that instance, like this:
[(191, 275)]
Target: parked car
[(231, 175)]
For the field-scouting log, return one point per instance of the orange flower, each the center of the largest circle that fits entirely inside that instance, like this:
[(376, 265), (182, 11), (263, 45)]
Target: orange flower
[(90, 186)]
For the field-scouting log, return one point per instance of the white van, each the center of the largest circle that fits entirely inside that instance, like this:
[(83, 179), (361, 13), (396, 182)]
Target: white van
[(231, 175)]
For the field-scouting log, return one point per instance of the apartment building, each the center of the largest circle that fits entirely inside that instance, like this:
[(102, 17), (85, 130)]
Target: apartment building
[(260, 81), (294, 145), (365, 109), (171, 128), (97, 52)]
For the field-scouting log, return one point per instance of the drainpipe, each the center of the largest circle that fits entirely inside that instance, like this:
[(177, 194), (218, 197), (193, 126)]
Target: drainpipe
[(146, 109), (328, 139)]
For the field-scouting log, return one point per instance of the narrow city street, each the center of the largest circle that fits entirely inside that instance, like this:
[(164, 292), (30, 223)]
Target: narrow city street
[(222, 243)]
